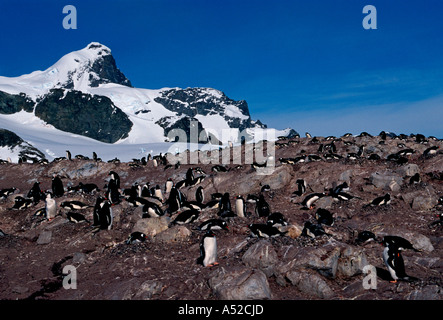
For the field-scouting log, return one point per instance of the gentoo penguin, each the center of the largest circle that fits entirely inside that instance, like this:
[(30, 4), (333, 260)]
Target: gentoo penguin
[(219, 168), (136, 237), (262, 208), (57, 186), (50, 207), (216, 196), (380, 201), (301, 187), (189, 176), (265, 188), (4, 193), (174, 201), (152, 210), (158, 193), (199, 195), (94, 156), (213, 224), (430, 151), (74, 205), (415, 179), (324, 216), (95, 214), (240, 206), (168, 186), (276, 219), (35, 193), (113, 193), (197, 180), (308, 135), (365, 237), (88, 187), (262, 230), (76, 217), (394, 261), (208, 250), (105, 215), (68, 155), (114, 176), (21, 203), (187, 216), (308, 201), (224, 208), (398, 242), (313, 230)]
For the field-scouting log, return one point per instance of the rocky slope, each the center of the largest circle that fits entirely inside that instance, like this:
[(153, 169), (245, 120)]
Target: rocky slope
[(33, 251)]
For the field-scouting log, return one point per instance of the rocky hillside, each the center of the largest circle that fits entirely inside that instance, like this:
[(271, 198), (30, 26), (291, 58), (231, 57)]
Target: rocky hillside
[(291, 266)]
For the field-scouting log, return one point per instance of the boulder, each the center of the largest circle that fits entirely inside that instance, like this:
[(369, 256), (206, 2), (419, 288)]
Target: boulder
[(351, 262), (45, 237), (174, 234), (262, 256), (239, 283), (151, 226), (310, 283), (386, 180), (408, 170)]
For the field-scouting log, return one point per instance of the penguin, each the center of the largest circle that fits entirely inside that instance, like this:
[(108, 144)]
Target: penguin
[(76, 217), (308, 135), (364, 237), (213, 224), (185, 217), (313, 230), (74, 205), (137, 201), (262, 208), (217, 196), (94, 156), (174, 201), (152, 210), (113, 193), (4, 193), (219, 168), (88, 187), (398, 242), (251, 198), (431, 151), (22, 203), (105, 215), (35, 193), (208, 250), (189, 176), (240, 206), (301, 187), (68, 155), (180, 184), (168, 186), (415, 179), (199, 195), (262, 230), (324, 216), (394, 262), (276, 219), (95, 214), (343, 196), (158, 193), (50, 207), (308, 201), (265, 188), (197, 180), (57, 186), (224, 208), (114, 176), (40, 212), (136, 237), (380, 201)]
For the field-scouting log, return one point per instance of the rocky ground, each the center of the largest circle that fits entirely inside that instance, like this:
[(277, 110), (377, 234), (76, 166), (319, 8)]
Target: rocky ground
[(34, 252)]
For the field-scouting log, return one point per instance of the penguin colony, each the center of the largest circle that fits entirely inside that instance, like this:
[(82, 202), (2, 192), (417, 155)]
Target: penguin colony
[(172, 198)]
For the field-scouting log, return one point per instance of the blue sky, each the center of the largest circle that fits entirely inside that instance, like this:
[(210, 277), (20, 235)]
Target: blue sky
[(308, 65)]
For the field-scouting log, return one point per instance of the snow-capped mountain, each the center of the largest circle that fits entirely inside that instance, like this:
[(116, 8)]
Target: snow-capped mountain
[(84, 99)]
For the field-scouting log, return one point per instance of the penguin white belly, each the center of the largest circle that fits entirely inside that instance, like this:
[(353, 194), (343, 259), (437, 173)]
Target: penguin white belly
[(51, 208), (210, 245), (390, 269), (239, 205)]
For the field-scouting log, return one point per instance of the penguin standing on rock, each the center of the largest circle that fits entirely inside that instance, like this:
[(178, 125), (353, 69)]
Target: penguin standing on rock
[(240, 206), (35, 193), (262, 207), (199, 195), (393, 258), (208, 250), (105, 215), (57, 186), (50, 207)]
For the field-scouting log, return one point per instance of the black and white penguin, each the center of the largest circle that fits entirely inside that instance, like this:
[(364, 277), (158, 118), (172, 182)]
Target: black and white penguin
[(68, 155), (174, 201), (197, 180), (324, 216), (22, 203), (199, 195), (76, 217), (219, 168), (276, 219), (240, 206), (251, 198), (364, 237), (381, 201), (4, 193), (185, 217), (393, 258), (136, 237), (168, 185), (308, 135), (152, 210), (431, 151), (262, 230), (313, 230), (415, 179), (114, 176), (105, 215), (216, 196), (213, 224), (262, 208), (95, 214), (208, 250), (265, 188), (224, 208), (57, 186), (50, 207), (88, 187), (308, 201), (74, 205), (36, 193), (113, 192), (94, 156), (301, 187), (158, 193), (189, 176)]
